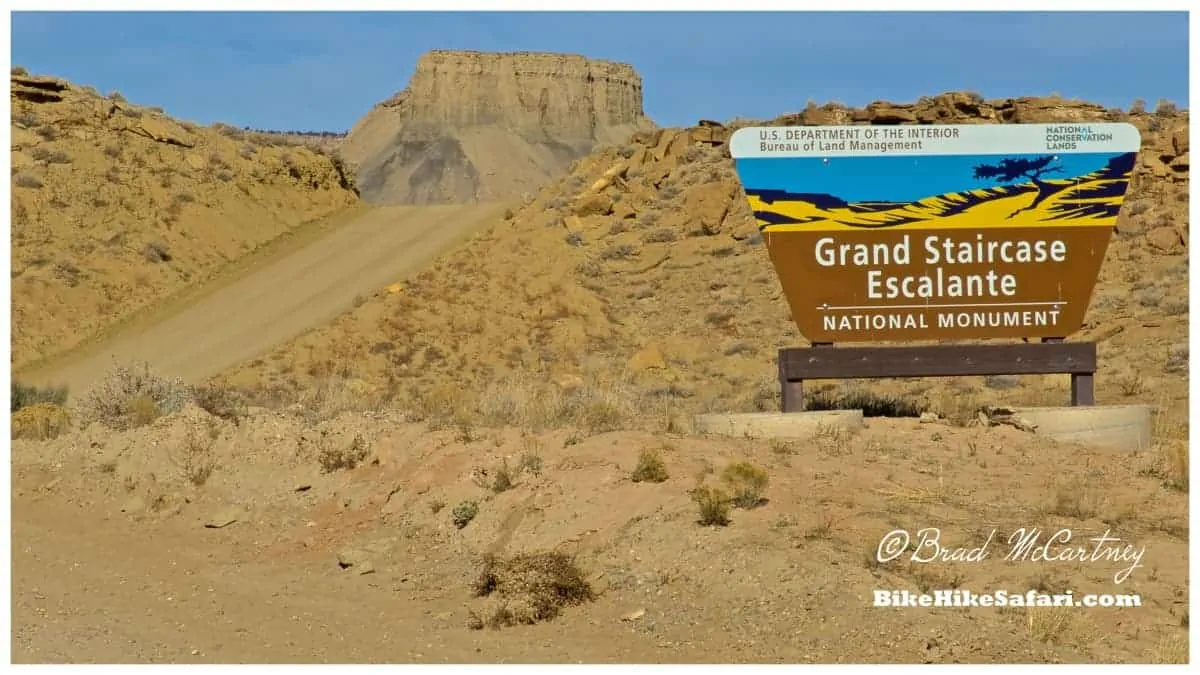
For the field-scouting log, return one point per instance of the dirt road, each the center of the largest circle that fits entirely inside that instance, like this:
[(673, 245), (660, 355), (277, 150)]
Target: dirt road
[(242, 318)]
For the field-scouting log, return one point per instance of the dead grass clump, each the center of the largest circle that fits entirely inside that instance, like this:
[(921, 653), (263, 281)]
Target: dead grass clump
[(330, 396), (959, 407), (40, 422), (663, 235), (1170, 464), (618, 252), (221, 402), (1076, 501), (1056, 625), (1131, 384), (337, 458), (1177, 359), (650, 467), (131, 396), (531, 463), (50, 156), (25, 395), (747, 482), (713, 503), (597, 408), (1171, 649), (528, 588)]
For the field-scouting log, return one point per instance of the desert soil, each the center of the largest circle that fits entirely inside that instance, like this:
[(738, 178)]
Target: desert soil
[(116, 557), (319, 513)]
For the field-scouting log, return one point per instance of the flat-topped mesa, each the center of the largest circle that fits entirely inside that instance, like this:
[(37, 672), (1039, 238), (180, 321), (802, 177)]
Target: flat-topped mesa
[(473, 126), (565, 96)]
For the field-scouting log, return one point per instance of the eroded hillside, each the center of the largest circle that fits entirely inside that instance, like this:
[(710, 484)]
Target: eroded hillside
[(117, 206), (640, 277)]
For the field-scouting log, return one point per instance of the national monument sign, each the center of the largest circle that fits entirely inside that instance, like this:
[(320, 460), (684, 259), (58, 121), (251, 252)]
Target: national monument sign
[(936, 232)]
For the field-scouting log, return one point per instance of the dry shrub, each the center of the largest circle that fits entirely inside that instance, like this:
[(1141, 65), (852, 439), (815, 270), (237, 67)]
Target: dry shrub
[(1170, 464), (222, 402), (1169, 461), (40, 422), (517, 402), (464, 513), (331, 396), (531, 463), (337, 458), (713, 503), (650, 468), (505, 480), (131, 396), (747, 483), (959, 408), (196, 457), (528, 588)]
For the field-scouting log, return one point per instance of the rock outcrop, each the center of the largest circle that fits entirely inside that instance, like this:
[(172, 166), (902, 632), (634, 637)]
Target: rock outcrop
[(476, 126)]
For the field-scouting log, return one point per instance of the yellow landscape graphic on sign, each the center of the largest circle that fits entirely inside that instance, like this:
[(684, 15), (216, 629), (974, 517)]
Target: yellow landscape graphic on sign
[(1091, 199)]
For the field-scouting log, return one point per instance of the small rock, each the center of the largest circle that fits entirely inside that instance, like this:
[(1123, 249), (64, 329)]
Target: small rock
[(163, 131), (356, 559), (1179, 141), (195, 161), (599, 583), (929, 416), (634, 615), (649, 357), (1164, 238), (593, 205), (303, 487)]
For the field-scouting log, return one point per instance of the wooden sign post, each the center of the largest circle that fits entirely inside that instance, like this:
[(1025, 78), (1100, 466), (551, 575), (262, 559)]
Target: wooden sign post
[(936, 233)]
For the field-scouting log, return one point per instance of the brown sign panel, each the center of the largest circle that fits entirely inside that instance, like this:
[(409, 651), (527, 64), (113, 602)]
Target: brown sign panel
[(906, 233)]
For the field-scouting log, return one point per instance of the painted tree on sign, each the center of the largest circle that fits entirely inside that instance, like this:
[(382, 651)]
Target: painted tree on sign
[(1031, 169)]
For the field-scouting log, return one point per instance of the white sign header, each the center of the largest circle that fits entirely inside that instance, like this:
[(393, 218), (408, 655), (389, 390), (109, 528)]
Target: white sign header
[(935, 139)]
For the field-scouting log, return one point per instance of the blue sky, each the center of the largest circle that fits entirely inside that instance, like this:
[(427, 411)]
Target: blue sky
[(322, 71), (891, 179)]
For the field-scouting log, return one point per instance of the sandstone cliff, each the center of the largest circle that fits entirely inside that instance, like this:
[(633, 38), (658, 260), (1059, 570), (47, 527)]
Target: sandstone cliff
[(474, 126), (117, 207)]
